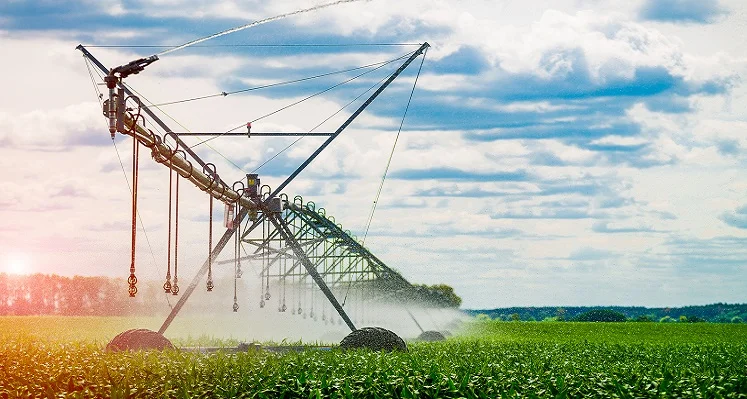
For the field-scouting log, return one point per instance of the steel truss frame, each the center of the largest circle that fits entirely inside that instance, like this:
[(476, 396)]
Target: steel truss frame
[(330, 256)]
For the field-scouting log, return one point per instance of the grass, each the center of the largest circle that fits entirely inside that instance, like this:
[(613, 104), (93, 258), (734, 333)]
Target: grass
[(493, 359), (631, 332), (70, 329)]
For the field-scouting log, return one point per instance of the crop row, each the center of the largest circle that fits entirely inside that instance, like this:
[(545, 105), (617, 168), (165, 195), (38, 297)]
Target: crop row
[(455, 368)]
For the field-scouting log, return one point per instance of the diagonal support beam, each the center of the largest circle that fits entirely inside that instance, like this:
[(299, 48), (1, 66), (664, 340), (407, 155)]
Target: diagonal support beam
[(201, 273), (288, 235), (355, 114)]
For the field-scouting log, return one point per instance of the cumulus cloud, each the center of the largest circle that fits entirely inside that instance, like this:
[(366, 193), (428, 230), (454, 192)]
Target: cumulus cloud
[(535, 135), (55, 129), (736, 218)]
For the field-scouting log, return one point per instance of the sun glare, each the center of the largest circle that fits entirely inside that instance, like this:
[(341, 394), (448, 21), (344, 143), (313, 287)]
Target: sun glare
[(17, 264)]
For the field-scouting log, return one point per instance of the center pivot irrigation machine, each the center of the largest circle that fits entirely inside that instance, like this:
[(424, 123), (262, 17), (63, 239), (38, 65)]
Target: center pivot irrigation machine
[(291, 241)]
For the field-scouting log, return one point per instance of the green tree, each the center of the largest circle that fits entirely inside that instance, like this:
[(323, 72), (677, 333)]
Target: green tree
[(439, 295), (737, 319), (666, 319), (601, 315), (515, 317)]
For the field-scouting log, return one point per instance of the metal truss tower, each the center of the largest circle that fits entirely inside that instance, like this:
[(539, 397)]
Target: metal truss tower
[(294, 242)]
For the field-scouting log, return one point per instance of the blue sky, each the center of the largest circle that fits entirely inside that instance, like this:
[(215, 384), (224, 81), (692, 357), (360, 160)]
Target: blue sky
[(558, 153)]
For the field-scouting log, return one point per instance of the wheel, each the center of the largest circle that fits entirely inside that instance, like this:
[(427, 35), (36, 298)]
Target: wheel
[(375, 339), (138, 339), (431, 336)]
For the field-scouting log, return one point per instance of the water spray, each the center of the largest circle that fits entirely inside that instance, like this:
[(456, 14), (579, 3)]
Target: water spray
[(255, 23)]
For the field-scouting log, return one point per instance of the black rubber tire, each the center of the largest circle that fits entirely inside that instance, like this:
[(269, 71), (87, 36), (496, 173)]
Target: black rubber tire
[(431, 336), (138, 339), (375, 339)]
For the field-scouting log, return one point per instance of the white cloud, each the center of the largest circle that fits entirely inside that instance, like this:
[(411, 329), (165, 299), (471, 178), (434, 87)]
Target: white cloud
[(619, 140), (54, 129), (447, 236)]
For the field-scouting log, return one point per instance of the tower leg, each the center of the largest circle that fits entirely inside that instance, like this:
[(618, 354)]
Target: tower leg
[(282, 227), (201, 273)]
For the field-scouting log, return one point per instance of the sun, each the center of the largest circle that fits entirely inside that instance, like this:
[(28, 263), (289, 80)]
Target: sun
[(17, 264)]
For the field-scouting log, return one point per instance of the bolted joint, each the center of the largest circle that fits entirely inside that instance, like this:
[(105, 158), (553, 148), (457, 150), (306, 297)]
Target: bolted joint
[(111, 80)]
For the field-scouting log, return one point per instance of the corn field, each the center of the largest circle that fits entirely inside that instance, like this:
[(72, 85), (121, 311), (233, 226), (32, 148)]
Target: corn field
[(487, 360)]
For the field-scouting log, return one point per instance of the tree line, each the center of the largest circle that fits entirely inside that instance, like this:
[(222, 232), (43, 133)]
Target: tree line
[(42, 294), (438, 295), (714, 313)]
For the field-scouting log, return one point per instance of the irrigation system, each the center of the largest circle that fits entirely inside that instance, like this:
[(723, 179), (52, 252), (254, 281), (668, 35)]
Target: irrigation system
[(295, 244)]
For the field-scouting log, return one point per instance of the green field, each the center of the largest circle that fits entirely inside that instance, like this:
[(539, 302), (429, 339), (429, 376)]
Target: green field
[(51, 356)]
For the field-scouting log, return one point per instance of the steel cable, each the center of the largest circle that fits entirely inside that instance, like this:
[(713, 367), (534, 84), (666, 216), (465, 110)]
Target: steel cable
[(301, 100), (391, 154)]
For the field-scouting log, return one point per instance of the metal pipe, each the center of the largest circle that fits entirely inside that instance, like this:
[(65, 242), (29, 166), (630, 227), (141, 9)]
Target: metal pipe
[(163, 154), (147, 110)]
